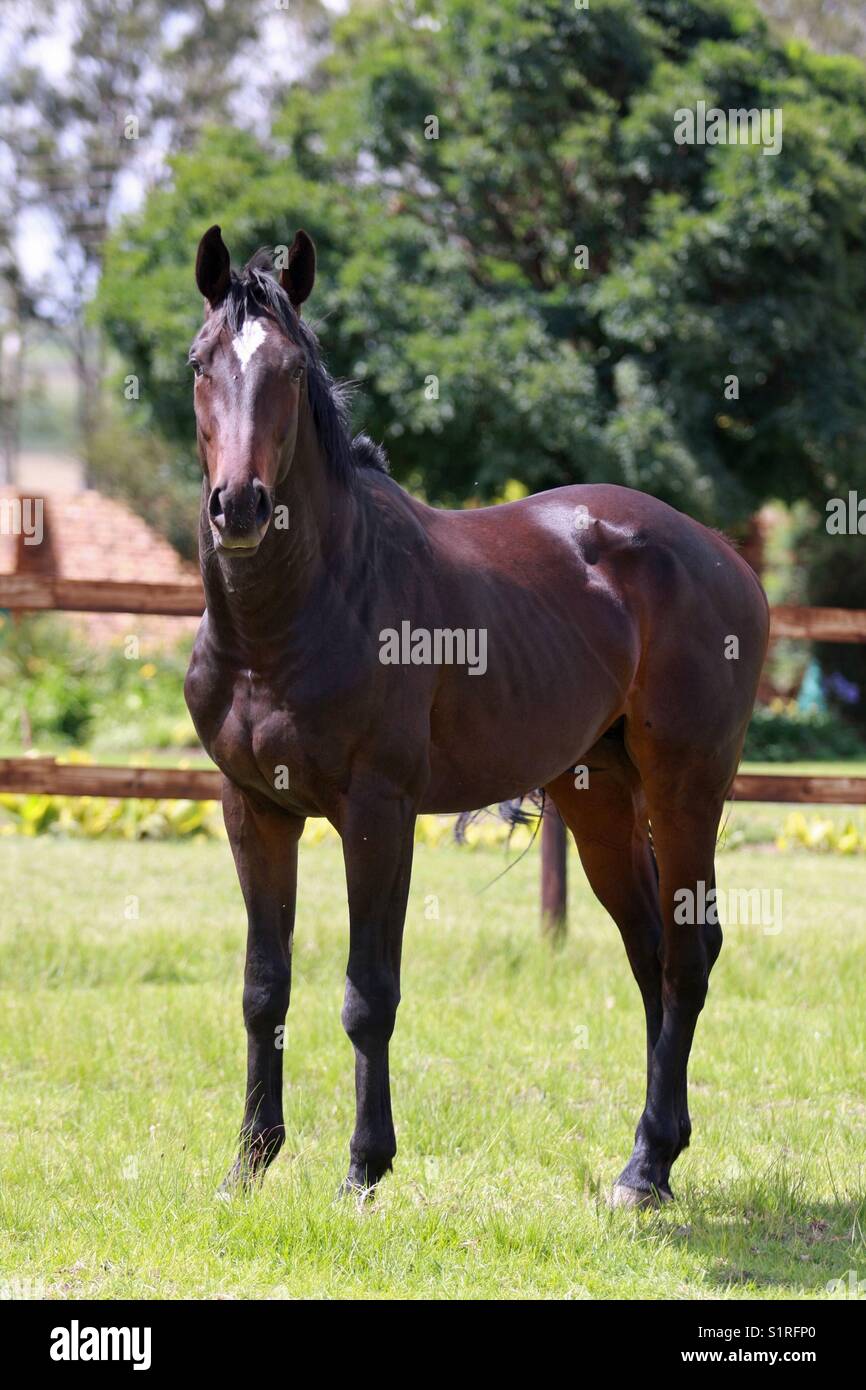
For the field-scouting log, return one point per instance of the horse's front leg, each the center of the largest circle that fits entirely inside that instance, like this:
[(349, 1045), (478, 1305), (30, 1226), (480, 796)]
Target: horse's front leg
[(265, 847), (378, 832)]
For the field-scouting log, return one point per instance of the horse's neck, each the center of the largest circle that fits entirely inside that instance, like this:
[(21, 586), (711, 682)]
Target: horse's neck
[(253, 603)]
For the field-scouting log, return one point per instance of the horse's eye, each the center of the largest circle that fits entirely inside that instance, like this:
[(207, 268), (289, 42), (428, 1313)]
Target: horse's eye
[(196, 366), (298, 372)]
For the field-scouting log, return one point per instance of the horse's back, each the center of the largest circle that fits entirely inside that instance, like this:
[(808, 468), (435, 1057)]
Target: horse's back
[(643, 550)]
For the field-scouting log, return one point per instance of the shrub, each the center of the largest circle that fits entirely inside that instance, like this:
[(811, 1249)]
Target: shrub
[(817, 832), (781, 732), (94, 817), (71, 694)]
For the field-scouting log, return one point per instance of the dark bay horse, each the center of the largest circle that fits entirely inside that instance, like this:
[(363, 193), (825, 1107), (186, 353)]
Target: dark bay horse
[(365, 657)]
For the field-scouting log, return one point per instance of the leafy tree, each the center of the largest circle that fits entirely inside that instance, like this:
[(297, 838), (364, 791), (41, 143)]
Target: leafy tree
[(140, 72), (451, 262)]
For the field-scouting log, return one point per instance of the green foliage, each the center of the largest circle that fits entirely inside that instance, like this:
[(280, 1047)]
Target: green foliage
[(136, 818), (781, 733), (824, 834), (45, 675), (454, 257), (111, 818), (68, 693)]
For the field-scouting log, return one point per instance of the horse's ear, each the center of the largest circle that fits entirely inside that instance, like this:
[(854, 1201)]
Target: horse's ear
[(299, 273), (212, 266)]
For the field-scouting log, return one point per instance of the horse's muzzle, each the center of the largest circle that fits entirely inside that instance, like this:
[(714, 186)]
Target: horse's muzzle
[(240, 516)]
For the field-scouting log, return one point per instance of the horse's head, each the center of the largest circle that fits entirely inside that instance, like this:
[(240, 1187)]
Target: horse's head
[(249, 368)]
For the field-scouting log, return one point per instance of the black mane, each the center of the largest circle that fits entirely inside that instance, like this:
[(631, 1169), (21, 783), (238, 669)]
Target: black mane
[(255, 291)]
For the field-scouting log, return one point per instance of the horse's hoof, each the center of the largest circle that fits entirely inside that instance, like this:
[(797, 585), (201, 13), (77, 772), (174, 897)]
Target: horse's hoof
[(348, 1188), (231, 1185), (239, 1179), (363, 1178), (635, 1197)]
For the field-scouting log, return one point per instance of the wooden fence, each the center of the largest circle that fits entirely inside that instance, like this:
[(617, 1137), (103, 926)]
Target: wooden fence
[(48, 776), (34, 593)]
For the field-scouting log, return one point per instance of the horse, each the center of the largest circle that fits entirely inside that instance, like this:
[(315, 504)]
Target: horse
[(366, 657)]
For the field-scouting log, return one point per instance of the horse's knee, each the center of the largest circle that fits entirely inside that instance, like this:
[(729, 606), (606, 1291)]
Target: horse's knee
[(266, 1000), (370, 1008), (684, 987), (645, 954)]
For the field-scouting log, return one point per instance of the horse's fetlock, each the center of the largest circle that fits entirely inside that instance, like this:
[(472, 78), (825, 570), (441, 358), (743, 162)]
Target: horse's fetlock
[(659, 1134), (260, 1144)]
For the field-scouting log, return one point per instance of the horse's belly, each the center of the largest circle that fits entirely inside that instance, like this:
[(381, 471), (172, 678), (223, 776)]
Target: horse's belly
[(560, 659), (480, 757)]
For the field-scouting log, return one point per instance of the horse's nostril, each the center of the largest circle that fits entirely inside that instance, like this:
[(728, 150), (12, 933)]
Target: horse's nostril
[(263, 506), (215, 507)]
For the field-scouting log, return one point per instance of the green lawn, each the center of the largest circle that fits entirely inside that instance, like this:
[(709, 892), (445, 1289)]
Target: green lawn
[(123, 1060)]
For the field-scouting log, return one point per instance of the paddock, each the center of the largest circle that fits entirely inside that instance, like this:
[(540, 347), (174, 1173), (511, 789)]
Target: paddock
[(123, 1045)]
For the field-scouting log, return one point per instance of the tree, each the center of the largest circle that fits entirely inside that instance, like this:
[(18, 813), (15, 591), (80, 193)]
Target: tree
[(528, 275), (141, 74), (12, 321)]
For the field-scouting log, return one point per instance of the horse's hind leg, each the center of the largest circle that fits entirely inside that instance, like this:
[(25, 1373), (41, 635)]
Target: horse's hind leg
[(608, 818), (685, 800)]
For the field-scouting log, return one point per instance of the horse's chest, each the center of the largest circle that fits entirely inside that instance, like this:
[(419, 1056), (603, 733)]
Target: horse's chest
[(264, 744)]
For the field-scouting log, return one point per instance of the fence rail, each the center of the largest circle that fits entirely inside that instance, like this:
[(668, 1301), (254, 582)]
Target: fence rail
[(818, 624), (50, 777), (185, 598), (38, 593)]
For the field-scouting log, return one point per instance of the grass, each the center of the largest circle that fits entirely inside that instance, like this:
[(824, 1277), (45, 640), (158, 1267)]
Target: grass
[(123, 1062)]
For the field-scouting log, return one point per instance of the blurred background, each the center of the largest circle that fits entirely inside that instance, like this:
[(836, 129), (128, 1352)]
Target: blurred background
[(529, 280)]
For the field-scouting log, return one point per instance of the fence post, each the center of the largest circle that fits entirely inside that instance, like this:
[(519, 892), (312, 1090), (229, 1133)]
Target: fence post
[(554, 883)]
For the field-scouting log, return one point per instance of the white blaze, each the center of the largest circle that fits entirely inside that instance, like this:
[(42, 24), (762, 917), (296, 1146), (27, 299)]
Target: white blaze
[(250, 338)]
